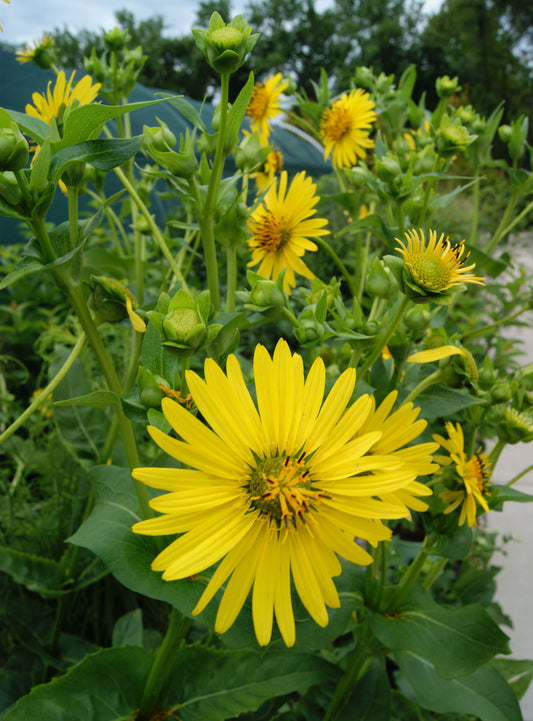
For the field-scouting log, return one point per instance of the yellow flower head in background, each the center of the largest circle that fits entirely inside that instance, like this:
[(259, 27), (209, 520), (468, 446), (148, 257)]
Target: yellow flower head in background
[(53, 104), (281, 226), (41, 53), (473, 473), (345, 128), (1, 28), (438, 265), (264, 105), (272, 167), (277, 489)]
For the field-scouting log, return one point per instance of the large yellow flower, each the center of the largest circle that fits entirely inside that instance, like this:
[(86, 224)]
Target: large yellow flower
[(281, 226), (437, 266), (345, 128), (473, 476), (264, 105), (52, 104), (277, 489)]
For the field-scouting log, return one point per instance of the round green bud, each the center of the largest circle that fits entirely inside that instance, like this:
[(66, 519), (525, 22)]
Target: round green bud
[(267, 293), (14, 150), (417, 318), (179, 323)]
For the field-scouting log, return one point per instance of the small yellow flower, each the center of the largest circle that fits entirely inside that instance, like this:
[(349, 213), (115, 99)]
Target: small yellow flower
[(264, 105), (345, 128), (54, 103), (272, 167), (281, 226), (437, 266), (273, 490), (473, 476), (41, 53)]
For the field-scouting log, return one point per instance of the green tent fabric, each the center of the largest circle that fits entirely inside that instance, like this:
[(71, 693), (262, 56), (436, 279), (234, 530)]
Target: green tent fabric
[(19, 81)]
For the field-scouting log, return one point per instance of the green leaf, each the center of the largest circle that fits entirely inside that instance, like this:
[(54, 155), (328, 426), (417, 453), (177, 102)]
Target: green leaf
[(36, 128), (237, 113), (104, 154), (128, 630), (484, 694), (106, 685), (501, 494), (440, 401), (107, 533), (519, 674), (371, 698), (86, 121), (457, 641), (97, 399), (186, 109), (42, 575), (215, 684)]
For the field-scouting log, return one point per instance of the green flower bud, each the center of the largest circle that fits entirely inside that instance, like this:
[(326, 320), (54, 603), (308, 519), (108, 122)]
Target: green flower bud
[(115, 39), (158, 142), (380, 283), (417, 318), (225, 45), (108, 298), (505, 132), (14, 150), (150, 392), (267, 294), (9, 189), (452, 137), (309, 332), (515, 427), (250, 153), (447, 86), (466, 114), (387, 168), (501, 393)]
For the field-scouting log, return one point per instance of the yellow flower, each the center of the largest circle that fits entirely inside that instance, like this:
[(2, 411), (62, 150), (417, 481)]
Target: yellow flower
[(345, 128), (42, 52), (437, 266), (280, 228), (277, 489), (264, 105), (473, 476), (53, 104), (272, 167)]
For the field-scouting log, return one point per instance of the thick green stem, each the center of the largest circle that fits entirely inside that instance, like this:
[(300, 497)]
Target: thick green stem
[(162, 665), (499, 232), (409, 578), (231, 256), (477, 332), (384, 339), (43, 395), (475, 210), (206, 219), (434, 572), (507, 229), (495, 453), (73, 215), (520, 475), (358, 663), (430, 380)]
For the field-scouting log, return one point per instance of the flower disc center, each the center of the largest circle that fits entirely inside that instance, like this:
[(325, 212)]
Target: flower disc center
[(336, 123), (428, 271), (280, 487), (271, 233)]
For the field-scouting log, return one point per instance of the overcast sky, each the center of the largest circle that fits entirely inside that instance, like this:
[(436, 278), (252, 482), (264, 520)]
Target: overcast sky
[(26, 20)]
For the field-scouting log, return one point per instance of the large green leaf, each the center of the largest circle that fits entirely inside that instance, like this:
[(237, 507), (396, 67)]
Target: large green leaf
[(485, 694), (519, 673), (215, 685), (440, 401), (107, 533), (456, 641), (371, 698), (42, 575), (103, 153), (106, 686)]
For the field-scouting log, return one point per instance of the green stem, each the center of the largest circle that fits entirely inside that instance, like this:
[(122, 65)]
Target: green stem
[(162, 665), (384, 338), (435, 571), (409, 578), (512, 224), (499, 232), (73, 216), (43, 395), (487, 328), (206, 217), (430, 380), (125, 429), (358, 662), (338, 262), (520, 475), (231, 256), (475, 210), (24, 188), (152, 224), (495, 453)]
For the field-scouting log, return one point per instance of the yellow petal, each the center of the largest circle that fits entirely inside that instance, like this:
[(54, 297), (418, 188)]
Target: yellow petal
[(435, 354)]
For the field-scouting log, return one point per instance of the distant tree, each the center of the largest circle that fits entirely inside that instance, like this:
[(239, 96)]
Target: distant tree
[(470, 39)]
